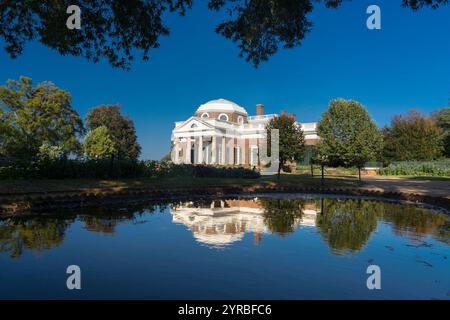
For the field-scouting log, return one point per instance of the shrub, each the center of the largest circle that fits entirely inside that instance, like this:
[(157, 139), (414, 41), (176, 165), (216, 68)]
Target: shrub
[(418, 168), (102, 169)]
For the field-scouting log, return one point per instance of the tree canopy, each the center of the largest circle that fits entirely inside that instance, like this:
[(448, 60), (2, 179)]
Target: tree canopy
[(442, 119), (412, 136), (348, 135), (36, 116), (291, 139), (117, 30), (120, 129), (98, 144)]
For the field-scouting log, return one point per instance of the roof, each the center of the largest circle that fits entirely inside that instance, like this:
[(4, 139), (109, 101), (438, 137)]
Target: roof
[(221, 105)]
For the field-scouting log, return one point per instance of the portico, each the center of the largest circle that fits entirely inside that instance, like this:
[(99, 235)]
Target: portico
[(208, 148)]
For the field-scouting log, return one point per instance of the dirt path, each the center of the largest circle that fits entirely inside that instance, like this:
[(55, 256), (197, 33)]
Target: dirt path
[(435, 188)]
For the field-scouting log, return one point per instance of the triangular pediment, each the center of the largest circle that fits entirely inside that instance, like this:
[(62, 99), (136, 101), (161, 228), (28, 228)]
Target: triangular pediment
[(193, 124)]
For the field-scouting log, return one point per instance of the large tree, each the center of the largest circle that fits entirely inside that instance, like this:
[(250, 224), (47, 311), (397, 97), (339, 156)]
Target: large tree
[(120, 129), (33, 116), (291, 139), (119, 29), (412, 136), (442, 118), (348, 135)]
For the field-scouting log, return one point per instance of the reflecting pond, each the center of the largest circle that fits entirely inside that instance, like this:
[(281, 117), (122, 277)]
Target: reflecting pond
[(277, 247)]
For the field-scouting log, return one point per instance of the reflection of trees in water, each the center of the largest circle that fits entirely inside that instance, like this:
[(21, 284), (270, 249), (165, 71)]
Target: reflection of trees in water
[(282, 215), (106, 219), (34, 234), (347, 224), (410, 220), (442, 232), (39, 233)]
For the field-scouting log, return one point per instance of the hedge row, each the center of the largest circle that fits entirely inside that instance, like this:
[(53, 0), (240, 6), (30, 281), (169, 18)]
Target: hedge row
[(102, 169), (418, 168)]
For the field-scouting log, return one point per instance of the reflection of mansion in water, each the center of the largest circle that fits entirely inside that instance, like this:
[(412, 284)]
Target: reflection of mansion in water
[(223, 222)]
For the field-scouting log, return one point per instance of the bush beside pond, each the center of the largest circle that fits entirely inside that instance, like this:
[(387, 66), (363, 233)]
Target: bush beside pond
[(439, 168), (102, 169)]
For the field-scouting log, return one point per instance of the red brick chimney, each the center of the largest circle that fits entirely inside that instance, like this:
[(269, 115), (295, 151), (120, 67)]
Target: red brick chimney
[(259, 109)]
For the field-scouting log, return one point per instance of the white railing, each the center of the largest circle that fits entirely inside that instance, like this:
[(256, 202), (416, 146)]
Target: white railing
[(310, 126), (264, 116)]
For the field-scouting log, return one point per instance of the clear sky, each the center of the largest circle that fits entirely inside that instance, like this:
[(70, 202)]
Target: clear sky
[(404, 65)]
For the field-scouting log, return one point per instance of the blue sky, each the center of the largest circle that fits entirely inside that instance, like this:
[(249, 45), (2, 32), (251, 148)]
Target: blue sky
[(404, 65)]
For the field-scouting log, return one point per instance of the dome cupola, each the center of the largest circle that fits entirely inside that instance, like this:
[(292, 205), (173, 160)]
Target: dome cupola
[(221, 105)]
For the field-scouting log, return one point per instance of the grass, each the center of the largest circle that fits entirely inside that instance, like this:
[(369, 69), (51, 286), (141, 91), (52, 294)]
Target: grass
[(31, 186)]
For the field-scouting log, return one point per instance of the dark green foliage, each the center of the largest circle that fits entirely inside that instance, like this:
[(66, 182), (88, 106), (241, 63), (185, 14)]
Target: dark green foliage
[(259, 27), (291, 139), (348, 135), (101, 169), (203, 171), (418, 168), (120, 129), (158, 169), (111, 29), (72, 169), (442, 119), (308, 156), (412, 137), (118, 29)]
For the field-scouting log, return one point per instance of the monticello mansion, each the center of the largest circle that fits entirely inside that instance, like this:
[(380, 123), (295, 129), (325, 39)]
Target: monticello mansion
[(221, 132)]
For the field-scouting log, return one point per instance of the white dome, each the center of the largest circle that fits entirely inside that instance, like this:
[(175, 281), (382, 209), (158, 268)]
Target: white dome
[(221, 105)]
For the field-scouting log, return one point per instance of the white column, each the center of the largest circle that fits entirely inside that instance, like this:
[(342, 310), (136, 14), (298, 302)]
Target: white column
[(223, 150), (188, 150), (231, 152), (200, 150), (213, 150), (243, 151), (176, 150)]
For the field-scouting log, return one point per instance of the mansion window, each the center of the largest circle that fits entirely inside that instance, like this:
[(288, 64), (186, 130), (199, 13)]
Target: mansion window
[(205, 115), (223, 117)]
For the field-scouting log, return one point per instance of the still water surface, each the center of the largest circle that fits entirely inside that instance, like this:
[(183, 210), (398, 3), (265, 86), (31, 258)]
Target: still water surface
[(277, 247)]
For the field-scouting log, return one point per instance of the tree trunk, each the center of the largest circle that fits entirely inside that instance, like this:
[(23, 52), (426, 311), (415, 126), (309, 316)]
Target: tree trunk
[(111, 166), (359, 173), (279, 171), (312, 170), (322, 179)]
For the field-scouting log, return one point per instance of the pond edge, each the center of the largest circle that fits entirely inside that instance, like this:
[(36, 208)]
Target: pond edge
[(13, 204)]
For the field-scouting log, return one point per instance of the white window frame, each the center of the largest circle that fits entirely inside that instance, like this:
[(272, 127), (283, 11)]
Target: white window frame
[(223, 114), (205, 115)]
